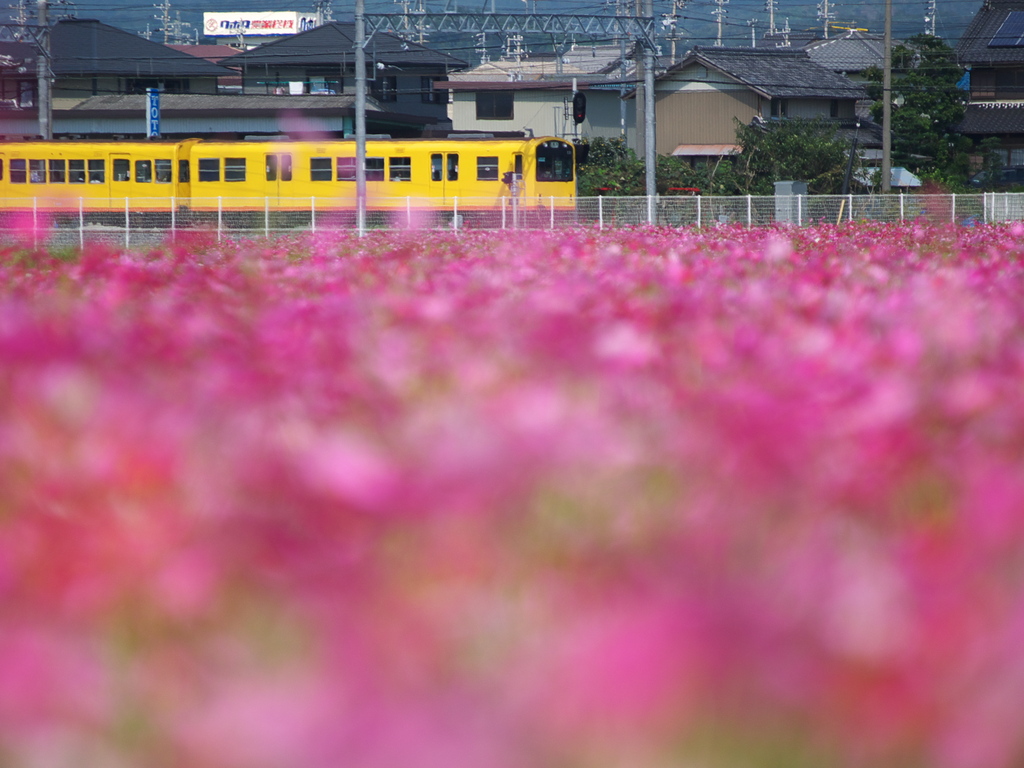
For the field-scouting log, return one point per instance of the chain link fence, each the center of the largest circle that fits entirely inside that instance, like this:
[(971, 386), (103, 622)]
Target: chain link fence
[(142, 221)]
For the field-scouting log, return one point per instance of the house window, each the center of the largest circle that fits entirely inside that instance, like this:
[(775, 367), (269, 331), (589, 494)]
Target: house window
[(141, 85), (76, 171), (400, 169), (209, 169), (494, 105), (97, 171), (234, 169), (385, 88), (487, 169), (427, 93), (780, 107), (833, 108), (320, 169), (58, 171)]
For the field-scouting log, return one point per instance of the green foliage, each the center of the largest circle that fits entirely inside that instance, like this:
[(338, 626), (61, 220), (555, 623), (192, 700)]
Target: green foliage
[(797, 149), (927, 106)]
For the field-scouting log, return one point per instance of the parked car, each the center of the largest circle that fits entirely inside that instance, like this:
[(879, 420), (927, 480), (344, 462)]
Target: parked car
[(1008, 177)]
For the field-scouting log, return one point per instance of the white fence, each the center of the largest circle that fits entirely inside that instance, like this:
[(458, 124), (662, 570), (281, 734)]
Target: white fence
[(135, 221)]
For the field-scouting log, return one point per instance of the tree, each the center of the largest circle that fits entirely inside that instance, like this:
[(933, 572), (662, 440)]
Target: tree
[(927, 105), (797, 149)]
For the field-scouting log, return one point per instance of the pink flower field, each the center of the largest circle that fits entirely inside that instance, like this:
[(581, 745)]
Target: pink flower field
[(638, 499)]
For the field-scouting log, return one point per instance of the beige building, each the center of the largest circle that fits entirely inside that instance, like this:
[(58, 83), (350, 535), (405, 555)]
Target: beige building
[(700, 99)]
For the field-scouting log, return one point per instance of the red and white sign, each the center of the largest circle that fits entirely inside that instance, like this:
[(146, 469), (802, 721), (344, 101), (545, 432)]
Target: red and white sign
[(266, 23)]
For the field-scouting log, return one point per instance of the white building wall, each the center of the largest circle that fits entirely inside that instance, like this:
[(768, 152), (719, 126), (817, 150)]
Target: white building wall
[(543, 112)]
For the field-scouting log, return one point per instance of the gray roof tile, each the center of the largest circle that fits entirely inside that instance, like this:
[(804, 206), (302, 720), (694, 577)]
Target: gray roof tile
[(332, 44), (992, 118), (852, 52), (973, 46)]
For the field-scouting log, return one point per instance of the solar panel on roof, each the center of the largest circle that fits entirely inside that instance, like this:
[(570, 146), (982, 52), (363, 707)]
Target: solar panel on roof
[(1010, 33)]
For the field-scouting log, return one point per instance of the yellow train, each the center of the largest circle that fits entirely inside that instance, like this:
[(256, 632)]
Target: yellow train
[(197, 174)]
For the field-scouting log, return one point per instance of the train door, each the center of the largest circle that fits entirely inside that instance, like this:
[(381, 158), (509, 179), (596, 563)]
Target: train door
[(436, 186), (278, 172), (120, 180), (3, 180)]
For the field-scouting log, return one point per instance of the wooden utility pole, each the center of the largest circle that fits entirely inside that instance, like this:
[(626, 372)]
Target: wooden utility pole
[(887, 101)]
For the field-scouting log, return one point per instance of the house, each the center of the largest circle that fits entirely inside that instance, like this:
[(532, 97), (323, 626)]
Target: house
[(536, 94), (401, 74), (216, 54), (699, 100), (992, 49), (849, 54)]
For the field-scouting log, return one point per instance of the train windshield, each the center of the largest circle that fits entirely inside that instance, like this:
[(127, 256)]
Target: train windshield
[(554, 161)]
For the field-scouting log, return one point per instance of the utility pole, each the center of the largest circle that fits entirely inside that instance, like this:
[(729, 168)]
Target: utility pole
[(825, 16), (931, 11), (887, 101), (650, 150), (770, 6), (360, 63), (719, 13), (44, 101), (165, 19)]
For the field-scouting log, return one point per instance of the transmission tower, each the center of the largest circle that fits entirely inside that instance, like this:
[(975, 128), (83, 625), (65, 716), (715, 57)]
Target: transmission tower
[(931, 10), (719, 13), (825, 16)]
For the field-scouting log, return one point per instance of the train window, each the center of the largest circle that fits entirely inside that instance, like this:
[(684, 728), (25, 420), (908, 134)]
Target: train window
[(58, 171), (122, 170), (19, 172), (209, 169), (436, 167), (163, 171), (271, 167), (554, 161), (97, 171), (286, 167), (76, 171), (234, 169), (400, 169), (320, 169), (183, 172), (37, 171), (144, 171), (519, 165), (1, 169), (487, 169), (346, 169), (453, 167), (375, 169)]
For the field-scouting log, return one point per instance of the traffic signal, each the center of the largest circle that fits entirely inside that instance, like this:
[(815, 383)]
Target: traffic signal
[(579, 107)]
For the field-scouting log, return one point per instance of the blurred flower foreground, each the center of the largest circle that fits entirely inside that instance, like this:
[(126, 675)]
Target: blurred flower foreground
[(641, 499)]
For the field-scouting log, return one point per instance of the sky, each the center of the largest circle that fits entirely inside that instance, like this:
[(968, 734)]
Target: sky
[(695, 19)]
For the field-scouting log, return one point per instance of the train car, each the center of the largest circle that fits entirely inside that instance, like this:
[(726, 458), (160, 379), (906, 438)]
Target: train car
[(94, 176), (399, 172), (470, 175)]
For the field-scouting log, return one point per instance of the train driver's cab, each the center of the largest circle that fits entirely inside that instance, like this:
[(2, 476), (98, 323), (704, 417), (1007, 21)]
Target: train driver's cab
[(554, 161)]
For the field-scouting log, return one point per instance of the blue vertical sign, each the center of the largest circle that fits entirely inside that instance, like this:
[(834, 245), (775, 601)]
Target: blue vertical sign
[(152, 113)]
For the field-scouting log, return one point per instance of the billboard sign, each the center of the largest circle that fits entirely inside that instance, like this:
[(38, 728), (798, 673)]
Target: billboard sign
[(153, 113), (263, 23)]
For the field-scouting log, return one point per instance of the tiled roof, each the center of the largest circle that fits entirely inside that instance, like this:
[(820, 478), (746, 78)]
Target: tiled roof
[(973, 46), (88, 47), (993, 118), (776, 73), (191, 104), (332, 44), (852, 52)]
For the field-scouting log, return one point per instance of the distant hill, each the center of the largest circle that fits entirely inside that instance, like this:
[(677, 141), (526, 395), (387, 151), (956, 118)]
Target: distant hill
[(695, 23)]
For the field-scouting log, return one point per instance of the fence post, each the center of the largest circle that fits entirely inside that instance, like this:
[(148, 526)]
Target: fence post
[(312, 213), (455, 213), (902, 215), (408, 211), (127, 224), (698, 210), (174, 220), (266, 216), (849, 208), (81, 223), (750, 217), (799, 210), (600, 211), (220, 216), (503, 206), (35, 222), (952, 211)]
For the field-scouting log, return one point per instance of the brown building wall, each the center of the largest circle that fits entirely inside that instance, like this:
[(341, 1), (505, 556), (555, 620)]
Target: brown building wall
[(702, 117)]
